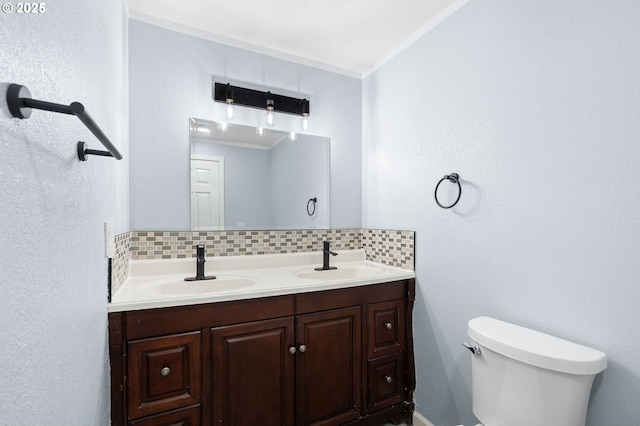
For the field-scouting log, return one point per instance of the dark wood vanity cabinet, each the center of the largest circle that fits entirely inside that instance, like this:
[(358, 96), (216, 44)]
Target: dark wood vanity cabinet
[(336, 357)]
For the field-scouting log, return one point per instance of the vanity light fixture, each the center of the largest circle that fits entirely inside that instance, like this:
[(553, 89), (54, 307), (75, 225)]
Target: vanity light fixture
[(228, 96), (234, 96), (270, 105)]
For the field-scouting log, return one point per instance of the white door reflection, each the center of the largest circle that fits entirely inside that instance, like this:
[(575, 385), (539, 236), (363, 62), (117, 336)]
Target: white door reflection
[(207, 192)]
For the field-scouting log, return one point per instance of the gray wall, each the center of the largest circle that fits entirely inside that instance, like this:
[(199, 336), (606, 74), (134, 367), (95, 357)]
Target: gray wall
[(536, 106), (171, 79), (53, 322)]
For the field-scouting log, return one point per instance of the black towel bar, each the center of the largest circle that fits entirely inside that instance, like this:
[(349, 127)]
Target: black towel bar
[(20, 104)]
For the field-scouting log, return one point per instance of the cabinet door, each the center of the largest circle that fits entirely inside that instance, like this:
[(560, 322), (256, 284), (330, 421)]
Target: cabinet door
[(253, 373), (163, 373), (328, 367)]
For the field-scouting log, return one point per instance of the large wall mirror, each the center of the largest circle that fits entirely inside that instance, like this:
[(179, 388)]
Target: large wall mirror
[(245, 178)]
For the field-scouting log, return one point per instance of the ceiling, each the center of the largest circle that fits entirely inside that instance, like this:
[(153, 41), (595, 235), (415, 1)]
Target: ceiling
[(351, 37)]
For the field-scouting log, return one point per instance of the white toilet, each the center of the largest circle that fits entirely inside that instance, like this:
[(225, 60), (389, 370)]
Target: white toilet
[(521, 377)]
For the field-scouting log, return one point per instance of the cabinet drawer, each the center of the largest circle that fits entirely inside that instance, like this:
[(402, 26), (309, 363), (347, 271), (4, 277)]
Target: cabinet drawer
[(385, 382), (386, 330), (183, 417), (163, 373)]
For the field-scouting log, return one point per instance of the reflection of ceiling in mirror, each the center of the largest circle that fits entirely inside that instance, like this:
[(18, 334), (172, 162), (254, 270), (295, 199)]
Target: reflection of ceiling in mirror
[(236, 135)]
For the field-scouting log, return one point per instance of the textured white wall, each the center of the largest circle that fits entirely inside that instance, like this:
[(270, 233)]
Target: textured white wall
[(53, 321), (171, 80), (536, 106)]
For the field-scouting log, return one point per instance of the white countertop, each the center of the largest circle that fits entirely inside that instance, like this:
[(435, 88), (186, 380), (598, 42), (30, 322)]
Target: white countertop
[(160, 283)]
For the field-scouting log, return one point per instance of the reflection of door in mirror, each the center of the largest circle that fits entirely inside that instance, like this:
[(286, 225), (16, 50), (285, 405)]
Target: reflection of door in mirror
[(207, 192)]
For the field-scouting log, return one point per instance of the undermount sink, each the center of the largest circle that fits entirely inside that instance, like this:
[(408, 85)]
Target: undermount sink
[(344, 272), (219, 285)]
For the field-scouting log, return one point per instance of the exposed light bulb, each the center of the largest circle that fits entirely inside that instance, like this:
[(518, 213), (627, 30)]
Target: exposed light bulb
[(292, 136), (270, 107), (228, 95), (305, 115)]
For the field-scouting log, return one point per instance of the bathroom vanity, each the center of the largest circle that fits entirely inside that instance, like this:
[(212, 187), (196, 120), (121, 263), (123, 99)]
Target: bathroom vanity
[(296, 347)]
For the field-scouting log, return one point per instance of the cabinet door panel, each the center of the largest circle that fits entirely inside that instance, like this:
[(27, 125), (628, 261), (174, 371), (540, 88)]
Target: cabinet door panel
[(253, 373), (328, 367), (386, 331), (163, 373), (385, 382)]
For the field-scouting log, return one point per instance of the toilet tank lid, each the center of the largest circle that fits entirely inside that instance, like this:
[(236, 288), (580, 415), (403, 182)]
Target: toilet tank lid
[(535, 348)]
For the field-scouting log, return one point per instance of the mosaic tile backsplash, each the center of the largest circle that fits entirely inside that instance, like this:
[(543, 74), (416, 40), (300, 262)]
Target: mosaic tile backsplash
[(171, 245), (393, 248), (120, 261)]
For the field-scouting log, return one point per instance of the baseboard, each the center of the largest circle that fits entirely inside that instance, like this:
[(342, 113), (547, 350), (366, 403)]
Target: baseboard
[(420, 420)]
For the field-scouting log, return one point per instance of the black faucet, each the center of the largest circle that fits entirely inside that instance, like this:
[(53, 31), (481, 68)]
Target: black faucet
[(200, 261), (200, 266), (325, 257)]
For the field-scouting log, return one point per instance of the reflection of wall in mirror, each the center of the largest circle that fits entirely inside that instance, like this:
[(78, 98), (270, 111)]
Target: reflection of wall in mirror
[(299, 172)]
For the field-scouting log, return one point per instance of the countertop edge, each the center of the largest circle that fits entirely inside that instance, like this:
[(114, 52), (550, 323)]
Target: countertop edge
[(270, 292)]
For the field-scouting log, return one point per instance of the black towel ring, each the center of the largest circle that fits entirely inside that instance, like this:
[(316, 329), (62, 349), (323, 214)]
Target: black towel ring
[(453, 178), (313, 200)]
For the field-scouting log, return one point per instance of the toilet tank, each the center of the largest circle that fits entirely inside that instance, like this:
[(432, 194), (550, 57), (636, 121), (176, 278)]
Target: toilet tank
[(527, 378)]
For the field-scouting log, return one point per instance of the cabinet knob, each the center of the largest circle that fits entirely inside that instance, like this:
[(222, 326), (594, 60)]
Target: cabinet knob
[(292, 350), (388, 379), (165, 371), (388, 325), (303, 348)]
